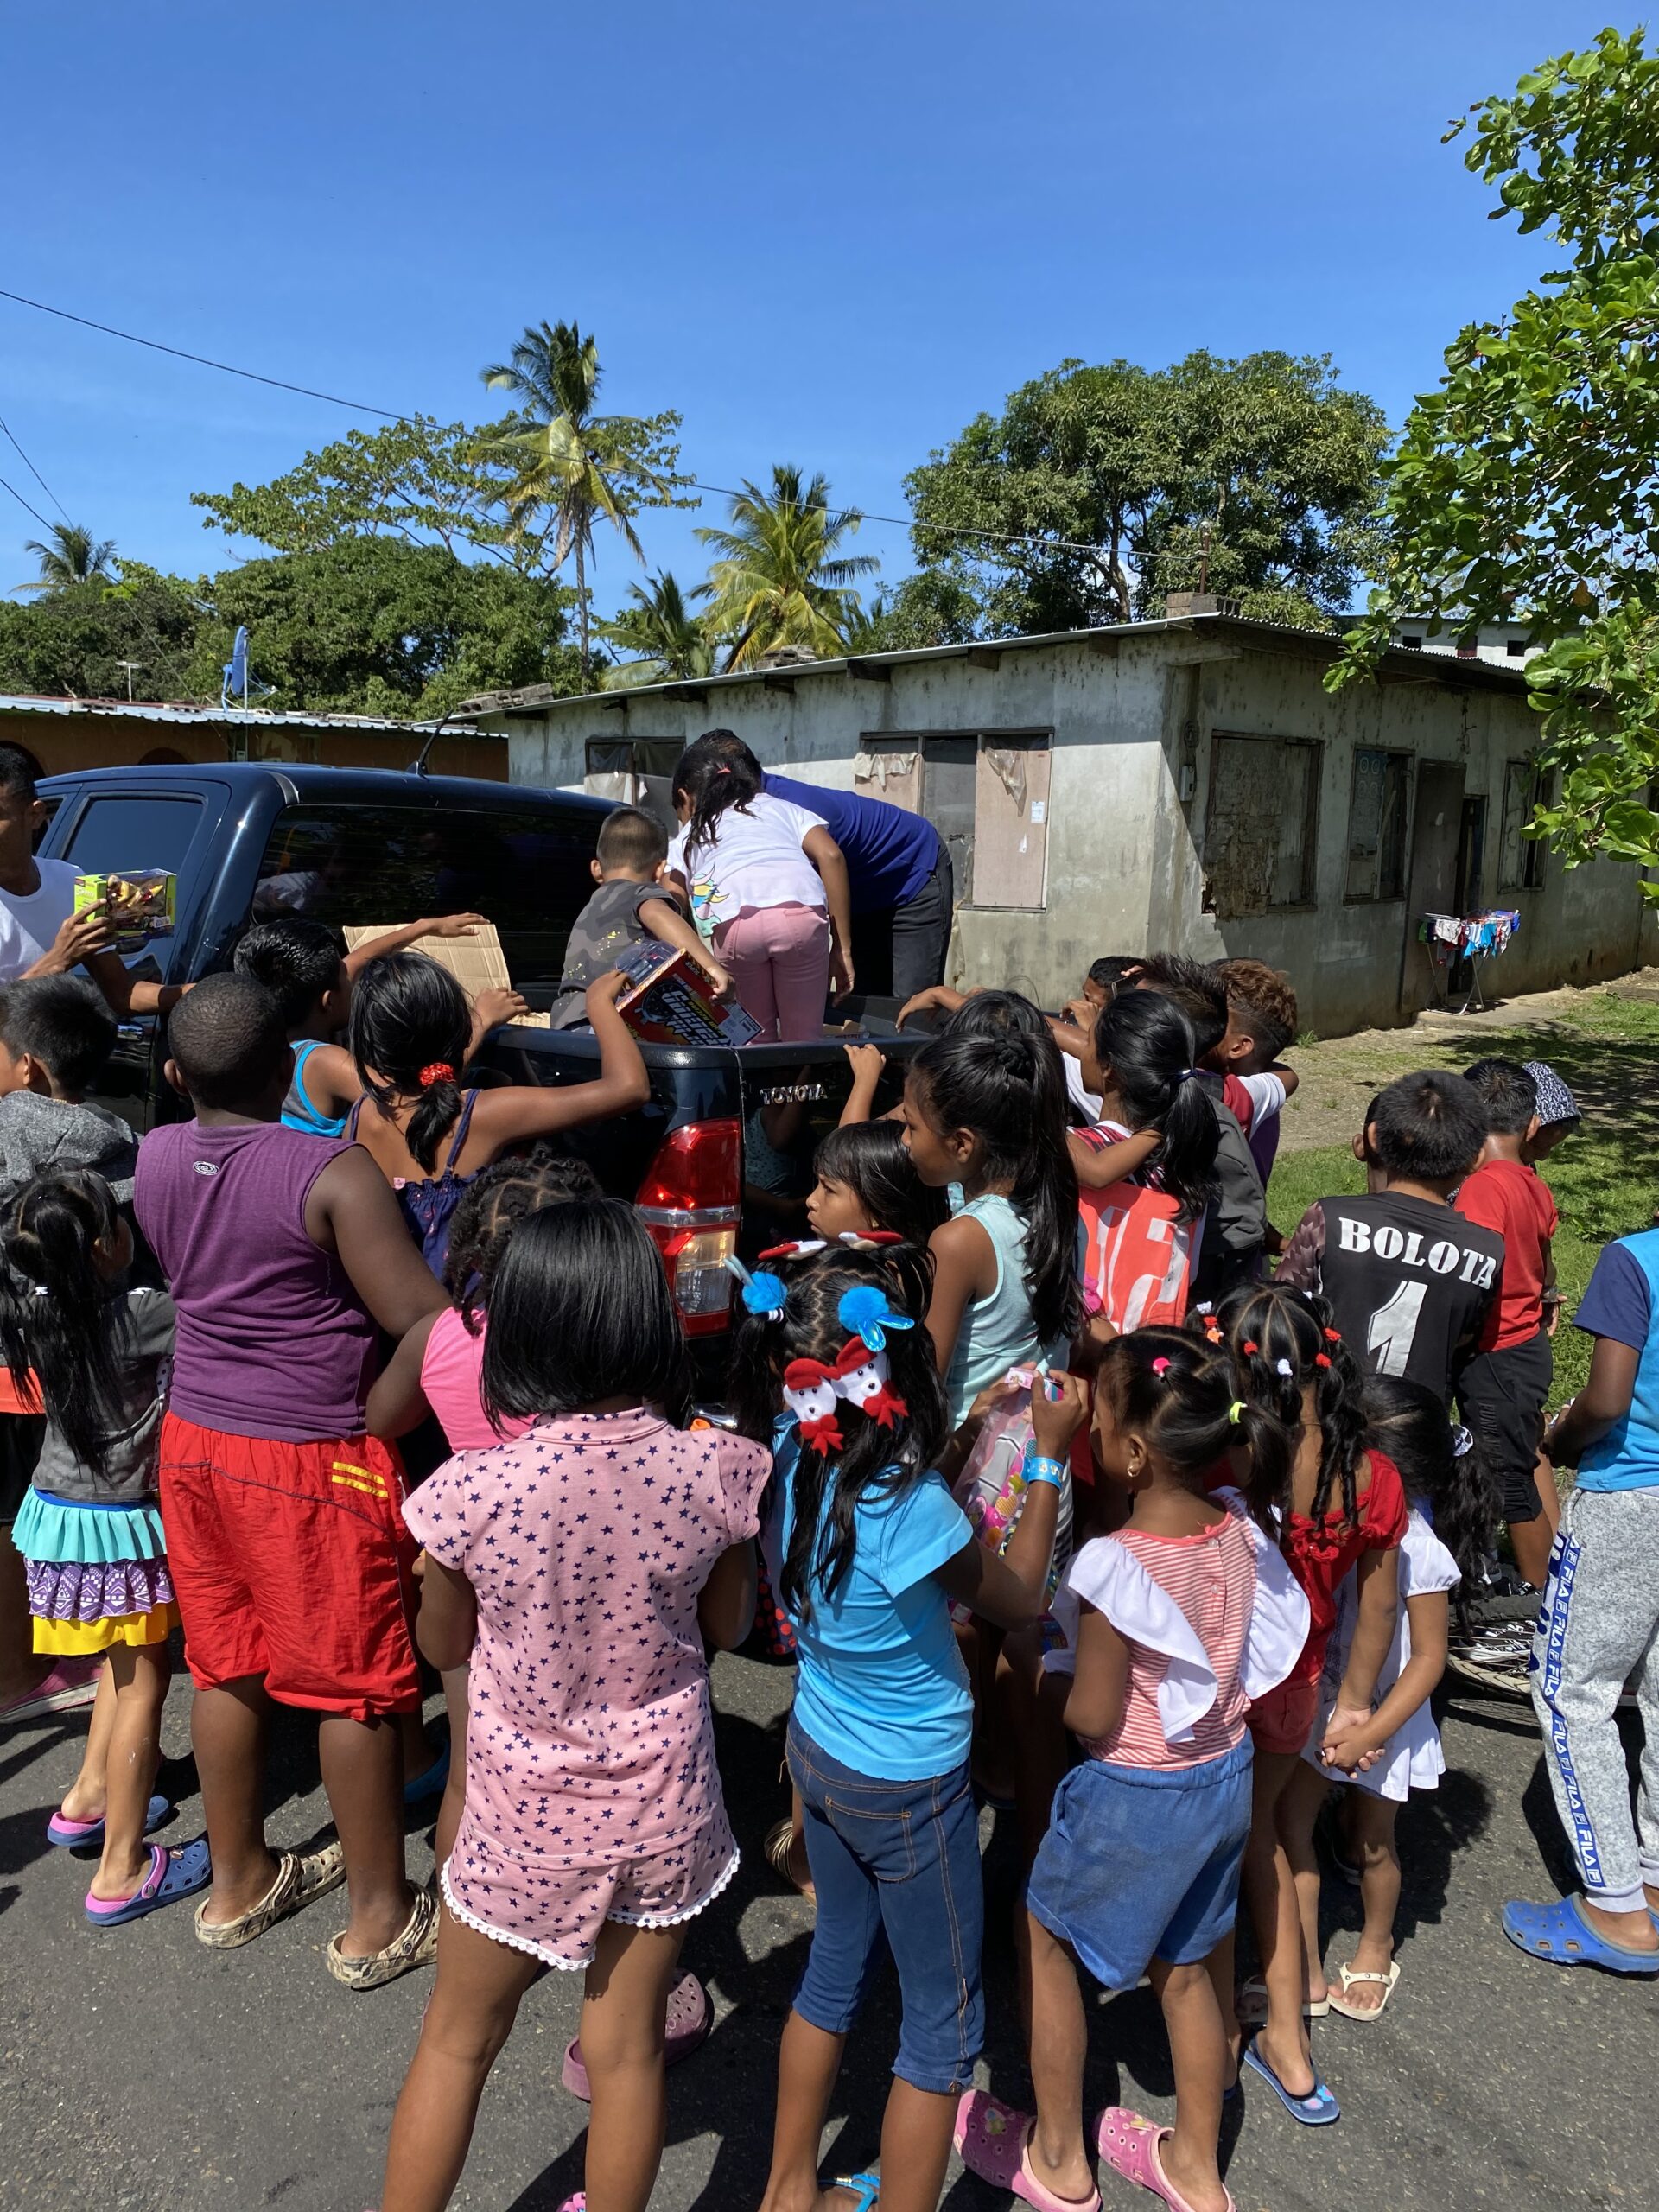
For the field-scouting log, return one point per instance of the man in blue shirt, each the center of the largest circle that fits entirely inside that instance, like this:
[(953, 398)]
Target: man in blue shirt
[(900, 870), (1599, 1629)]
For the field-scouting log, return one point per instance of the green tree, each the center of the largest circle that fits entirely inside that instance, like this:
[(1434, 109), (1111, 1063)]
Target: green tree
[(660, 629), (374, 626), (69, 556), (565, 460), (779, 577), (419, 480), (70, 643), (1526, 485), (933, 607), (1100, 488)]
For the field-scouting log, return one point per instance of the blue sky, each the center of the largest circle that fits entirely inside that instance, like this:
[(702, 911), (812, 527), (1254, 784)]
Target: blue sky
[(829, 235)]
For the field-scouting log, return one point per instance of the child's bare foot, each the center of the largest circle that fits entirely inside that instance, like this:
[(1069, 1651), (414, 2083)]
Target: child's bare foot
[(1292, 2060), (118, 1877), (82, 1802), (1368, 1996)]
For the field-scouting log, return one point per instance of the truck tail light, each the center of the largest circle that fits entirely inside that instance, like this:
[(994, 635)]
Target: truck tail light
[(689, 1202)]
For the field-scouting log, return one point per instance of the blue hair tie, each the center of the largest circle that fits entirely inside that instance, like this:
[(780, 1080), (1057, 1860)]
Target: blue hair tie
[(763, 1294), (864, 1311)]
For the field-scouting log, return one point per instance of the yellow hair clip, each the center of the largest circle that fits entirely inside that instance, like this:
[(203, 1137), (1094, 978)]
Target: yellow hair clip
[(1235, 1410)]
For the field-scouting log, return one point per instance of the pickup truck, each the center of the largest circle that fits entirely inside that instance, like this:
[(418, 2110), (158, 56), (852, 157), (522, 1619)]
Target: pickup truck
[(719, 1161)]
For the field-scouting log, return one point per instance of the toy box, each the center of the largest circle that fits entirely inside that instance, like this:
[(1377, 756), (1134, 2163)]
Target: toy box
[(141, 903), (669, 1000), (477, 963)]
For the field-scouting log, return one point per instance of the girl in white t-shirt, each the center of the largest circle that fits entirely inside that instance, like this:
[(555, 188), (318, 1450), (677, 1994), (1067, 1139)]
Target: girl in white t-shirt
[(1397, 1750), (768, 889)]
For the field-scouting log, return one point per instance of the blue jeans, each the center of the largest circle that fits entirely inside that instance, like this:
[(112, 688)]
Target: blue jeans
[(896, 1868)]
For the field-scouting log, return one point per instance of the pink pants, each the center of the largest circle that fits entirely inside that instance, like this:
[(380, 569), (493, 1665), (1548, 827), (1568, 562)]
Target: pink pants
[(780, 959)]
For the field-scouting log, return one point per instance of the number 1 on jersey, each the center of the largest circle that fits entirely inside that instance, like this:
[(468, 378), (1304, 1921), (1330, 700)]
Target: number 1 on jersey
[(1394, 1327)]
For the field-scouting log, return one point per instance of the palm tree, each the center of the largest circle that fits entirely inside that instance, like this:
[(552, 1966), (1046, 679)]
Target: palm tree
[(670, 640), (72, 556), (777, 577), (561, 456)]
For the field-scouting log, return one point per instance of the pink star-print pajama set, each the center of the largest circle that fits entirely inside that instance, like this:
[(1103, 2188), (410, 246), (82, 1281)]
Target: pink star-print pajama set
[(592, 1791)]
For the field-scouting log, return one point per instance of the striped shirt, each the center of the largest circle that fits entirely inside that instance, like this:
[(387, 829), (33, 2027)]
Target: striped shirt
[(1211, 1577)]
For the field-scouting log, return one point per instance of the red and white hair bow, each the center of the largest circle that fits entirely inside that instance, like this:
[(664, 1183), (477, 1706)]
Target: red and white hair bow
[(858, 1375)]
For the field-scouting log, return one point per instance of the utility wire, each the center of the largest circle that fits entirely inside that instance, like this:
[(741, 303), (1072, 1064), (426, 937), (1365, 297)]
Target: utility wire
[(394, 415), (23, 503), (33, 471)]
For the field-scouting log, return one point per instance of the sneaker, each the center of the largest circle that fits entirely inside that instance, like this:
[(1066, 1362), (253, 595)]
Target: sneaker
[(72, 1684)]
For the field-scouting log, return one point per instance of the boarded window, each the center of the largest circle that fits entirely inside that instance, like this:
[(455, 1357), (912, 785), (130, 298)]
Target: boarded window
[(1521, 860), (637, 771), (1260, 828), (1377, 824), (985, 791)]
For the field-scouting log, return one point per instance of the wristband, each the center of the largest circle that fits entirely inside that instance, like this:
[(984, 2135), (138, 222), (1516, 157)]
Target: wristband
[(1037, 1469)]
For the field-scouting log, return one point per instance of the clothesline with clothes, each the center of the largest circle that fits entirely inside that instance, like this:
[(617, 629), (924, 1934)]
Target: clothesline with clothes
[(1473, 937)]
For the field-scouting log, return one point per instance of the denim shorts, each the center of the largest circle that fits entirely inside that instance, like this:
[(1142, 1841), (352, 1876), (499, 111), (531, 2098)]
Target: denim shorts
[(1142, 1863), (896, 1868)]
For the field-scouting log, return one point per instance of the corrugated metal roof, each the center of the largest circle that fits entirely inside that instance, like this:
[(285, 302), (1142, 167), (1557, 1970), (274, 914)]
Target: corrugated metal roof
[(1401, 664), (29, 703)]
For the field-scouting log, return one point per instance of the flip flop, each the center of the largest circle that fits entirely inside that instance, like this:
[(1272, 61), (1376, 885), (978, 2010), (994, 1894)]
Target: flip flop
[(1128, 2143), (1251, 2004), (866, 2187), (1348, 1978), (992, 2141), (429, 1785), (1319, 2109), (689, 2023), (173, 1875), (70, 1835), (1560, 1936)]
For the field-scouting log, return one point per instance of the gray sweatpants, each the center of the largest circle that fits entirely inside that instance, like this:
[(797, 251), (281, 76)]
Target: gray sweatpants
[(1599, 1629)]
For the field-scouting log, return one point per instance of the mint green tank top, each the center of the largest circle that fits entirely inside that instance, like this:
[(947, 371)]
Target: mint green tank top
[(998, 1332)]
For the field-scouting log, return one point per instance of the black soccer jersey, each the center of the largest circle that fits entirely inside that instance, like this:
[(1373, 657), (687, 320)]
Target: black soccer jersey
[(1408, 1282)]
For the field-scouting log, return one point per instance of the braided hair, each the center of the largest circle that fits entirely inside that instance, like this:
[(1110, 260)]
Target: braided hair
[(494, 1204), (1283, 1343), (1180, 1393)]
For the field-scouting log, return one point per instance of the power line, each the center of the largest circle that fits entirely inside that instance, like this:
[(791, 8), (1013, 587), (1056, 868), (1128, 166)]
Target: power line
[(398, 415), (33, 471), (23, 503)]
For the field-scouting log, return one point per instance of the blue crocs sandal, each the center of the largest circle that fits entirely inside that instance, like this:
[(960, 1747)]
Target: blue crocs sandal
[(71, 1835), (1559, 1935), (429, 1785), (173, 1876), (1317, 2109)]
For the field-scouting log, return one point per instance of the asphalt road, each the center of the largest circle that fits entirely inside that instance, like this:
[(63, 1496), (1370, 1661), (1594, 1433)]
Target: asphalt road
[(141, 2070)]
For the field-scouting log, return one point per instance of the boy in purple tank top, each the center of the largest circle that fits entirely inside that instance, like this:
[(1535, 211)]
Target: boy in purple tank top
[(284, 1519)]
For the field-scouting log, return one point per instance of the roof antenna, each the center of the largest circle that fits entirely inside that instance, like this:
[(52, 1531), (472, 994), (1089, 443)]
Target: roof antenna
[(417, 767)]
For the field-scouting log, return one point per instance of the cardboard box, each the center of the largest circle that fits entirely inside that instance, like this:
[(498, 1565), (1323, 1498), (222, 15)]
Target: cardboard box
[(669, 1000), (477, 963), (141, 903)]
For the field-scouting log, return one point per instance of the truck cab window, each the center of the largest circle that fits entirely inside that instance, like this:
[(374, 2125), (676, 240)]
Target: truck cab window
[(526, 869)]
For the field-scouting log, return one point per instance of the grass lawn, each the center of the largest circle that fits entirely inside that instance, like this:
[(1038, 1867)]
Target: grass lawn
[(1605, 1179)]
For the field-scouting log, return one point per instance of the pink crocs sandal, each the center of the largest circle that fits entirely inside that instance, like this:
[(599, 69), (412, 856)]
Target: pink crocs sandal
[(991, 2140), (1128, 2143), (690, 2019)]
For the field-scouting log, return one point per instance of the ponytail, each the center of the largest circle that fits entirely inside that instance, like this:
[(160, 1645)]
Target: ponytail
[(716, 772), (1145, 1046), (1181, 1395), (410, 1029), (1008, 1088), (1283, 1343), (64, 1332)]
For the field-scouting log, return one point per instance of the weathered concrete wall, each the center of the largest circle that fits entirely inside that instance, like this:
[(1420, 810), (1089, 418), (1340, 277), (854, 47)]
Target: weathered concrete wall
[(1132, 723)]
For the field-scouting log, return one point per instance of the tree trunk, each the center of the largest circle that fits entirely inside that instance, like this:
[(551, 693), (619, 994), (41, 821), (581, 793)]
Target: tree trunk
[(581, 609)]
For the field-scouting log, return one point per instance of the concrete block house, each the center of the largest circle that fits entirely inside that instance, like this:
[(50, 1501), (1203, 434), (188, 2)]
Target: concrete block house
[(1186, 784)]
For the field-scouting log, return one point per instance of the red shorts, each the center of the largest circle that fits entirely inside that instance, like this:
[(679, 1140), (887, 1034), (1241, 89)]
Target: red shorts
[(291, 1561), (1283, 1719)]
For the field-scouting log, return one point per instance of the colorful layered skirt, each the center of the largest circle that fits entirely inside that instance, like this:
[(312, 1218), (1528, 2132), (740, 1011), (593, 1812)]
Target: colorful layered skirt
[(98, 1574)]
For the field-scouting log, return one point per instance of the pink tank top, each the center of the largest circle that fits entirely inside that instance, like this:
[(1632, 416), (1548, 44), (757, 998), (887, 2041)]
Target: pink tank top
[(451, 1370)]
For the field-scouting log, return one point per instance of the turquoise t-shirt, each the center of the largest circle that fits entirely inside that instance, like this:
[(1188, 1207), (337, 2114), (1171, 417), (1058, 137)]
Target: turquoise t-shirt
[(882, 1687), (1622, 1302)]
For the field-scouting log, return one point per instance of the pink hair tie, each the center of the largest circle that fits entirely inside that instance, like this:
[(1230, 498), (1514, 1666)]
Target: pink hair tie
[(1160, 1368)]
